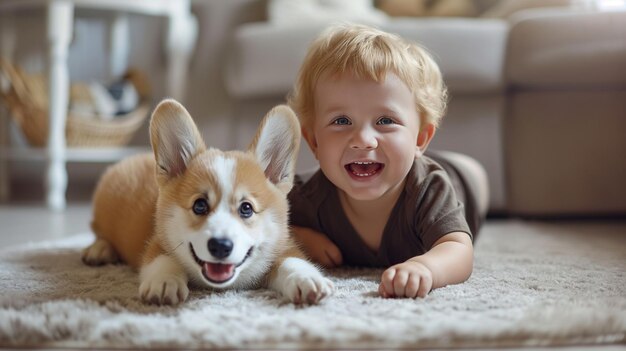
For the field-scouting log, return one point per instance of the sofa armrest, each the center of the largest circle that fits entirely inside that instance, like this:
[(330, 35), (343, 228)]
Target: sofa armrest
[(567, 48)]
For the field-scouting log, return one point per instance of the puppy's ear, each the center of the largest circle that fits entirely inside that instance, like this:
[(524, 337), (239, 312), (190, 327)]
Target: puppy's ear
[(175, 139), (276, 146)]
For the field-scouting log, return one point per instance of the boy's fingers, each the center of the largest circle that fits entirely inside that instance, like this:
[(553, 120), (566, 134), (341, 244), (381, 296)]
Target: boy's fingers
[(334, 255), (387, 281), (381, 291), (328, 262), (323, 259), (399, 283), (412, 286), (426, 283)]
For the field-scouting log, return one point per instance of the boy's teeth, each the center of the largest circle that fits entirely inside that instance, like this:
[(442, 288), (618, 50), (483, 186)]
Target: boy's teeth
[(364, 169)]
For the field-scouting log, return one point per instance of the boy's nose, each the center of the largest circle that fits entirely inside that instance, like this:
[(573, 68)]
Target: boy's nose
[(364, 139)]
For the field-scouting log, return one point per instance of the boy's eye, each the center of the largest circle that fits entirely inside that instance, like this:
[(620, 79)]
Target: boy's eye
[(342, 121), (385, 121)]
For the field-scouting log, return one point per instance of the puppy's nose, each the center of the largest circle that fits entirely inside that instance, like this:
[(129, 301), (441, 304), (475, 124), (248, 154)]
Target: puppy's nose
[(220, 248)]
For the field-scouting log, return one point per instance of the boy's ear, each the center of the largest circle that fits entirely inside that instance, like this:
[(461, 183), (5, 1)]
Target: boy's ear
[(276, 146), (175, 139), (310, 139), (426, 134)]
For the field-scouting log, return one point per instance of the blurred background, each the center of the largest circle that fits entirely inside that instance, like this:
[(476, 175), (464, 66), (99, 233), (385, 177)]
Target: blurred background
[(538, 88)]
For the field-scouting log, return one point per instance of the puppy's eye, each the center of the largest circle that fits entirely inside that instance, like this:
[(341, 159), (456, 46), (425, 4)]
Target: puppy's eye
[(200, 207), (246, 210)]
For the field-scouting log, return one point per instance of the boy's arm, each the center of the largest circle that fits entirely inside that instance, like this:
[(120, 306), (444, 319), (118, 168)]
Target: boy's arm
[(317, 246), (449, 261)]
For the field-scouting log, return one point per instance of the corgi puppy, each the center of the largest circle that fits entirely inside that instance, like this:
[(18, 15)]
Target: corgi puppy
[(192, 215)]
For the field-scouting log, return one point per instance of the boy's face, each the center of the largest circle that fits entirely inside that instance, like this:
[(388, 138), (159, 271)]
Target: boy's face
[(366, 134)]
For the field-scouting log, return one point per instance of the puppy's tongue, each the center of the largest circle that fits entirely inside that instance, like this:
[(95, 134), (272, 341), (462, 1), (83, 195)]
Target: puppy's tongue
[(218, 272)]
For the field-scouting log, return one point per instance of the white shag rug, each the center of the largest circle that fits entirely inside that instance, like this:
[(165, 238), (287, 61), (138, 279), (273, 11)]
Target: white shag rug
[(533, 284)]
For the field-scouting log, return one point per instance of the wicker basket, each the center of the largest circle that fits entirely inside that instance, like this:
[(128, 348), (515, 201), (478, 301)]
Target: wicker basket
[(26, 97)]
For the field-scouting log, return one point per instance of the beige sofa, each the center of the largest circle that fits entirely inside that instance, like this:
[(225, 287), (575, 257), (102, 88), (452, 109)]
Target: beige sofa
[(565, 130), (539, 99)]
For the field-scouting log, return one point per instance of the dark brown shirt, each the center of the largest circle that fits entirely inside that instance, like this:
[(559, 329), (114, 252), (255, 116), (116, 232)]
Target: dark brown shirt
[(426, 210)]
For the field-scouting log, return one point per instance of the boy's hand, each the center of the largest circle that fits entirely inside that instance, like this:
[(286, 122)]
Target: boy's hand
[(407, 279), (318, 247)]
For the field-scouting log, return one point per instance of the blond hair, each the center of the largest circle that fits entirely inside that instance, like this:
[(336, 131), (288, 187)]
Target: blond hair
[(369, 53)]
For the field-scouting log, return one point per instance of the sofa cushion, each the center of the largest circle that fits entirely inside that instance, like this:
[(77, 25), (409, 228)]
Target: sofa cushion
[(565, 152), (559, 49), (265, 59)]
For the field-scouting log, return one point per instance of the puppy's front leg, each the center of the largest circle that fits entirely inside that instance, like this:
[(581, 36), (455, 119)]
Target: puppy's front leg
[(299, 280), (163, 281)]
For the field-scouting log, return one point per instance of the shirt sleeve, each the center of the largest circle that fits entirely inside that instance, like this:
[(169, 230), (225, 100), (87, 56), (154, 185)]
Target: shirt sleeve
[(302, 208), (438, 211)]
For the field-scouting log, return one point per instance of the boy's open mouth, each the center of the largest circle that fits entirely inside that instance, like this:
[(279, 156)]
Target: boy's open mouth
[(363, 169), (218, 273)]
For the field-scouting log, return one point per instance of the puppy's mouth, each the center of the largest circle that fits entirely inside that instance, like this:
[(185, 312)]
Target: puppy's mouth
[(215, 272)]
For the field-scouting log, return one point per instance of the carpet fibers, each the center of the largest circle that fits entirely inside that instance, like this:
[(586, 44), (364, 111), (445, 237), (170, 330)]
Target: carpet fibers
[(534, 283)]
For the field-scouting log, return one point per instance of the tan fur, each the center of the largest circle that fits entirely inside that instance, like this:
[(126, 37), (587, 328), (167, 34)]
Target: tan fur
[(287, 247), (285, 184), (144, 212), (152, 250), (290, 249), (125, 200), (168, 119), (124, 206)]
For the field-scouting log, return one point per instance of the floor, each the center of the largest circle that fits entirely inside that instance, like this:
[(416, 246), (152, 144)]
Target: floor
[(31, 221)]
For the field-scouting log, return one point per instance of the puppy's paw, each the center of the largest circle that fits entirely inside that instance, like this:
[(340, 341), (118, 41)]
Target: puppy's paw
[(99, 253), (307, 288), (163, 282), (164, 290)]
